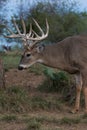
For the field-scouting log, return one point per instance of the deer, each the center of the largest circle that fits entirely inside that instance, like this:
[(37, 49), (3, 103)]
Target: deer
[(69, 55)]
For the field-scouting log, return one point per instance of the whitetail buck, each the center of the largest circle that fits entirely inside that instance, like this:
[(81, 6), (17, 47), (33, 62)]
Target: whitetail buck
[(69, 55)]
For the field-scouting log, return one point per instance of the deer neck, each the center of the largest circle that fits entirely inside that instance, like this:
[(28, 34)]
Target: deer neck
[(53, 56)]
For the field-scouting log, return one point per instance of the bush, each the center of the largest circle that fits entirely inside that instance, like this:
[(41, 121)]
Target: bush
[(60, 82), (55, 82)]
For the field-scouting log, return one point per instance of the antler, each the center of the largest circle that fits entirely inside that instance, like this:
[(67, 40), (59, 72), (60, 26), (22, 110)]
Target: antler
[(19, 34), (38, 38), (31, 36)]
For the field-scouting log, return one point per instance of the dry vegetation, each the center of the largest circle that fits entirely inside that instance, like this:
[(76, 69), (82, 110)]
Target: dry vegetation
[(25, 105)]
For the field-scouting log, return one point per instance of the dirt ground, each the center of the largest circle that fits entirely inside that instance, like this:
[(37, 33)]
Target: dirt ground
[(23, 78), (26, 78)]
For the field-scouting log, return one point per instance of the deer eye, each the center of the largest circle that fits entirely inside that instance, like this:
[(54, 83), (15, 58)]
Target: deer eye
[(28, 55)]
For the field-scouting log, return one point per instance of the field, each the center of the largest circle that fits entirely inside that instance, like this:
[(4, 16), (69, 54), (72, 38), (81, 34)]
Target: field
[(25, 106)]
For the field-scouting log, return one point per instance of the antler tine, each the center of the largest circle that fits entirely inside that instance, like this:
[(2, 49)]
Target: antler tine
[(44, 35), (39, 38), (24, 26), (47, 25), (16, 26), (8, 29), (32, 35), (30, 32), (38, 26), (35, 33), (11, 36)]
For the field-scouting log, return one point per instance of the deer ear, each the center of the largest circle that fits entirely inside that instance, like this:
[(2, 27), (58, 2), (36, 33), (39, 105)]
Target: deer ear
[(40, 48)]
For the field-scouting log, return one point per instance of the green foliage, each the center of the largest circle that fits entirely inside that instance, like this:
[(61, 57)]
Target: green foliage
[(38, 102), (33, 125), (9, 118), (18, 100), (10, 60), (63, 17), (13, 99), (37, 69), (70, 121), (63, 21), (74, 23), (55, 82), (84, 116), (60, 82)]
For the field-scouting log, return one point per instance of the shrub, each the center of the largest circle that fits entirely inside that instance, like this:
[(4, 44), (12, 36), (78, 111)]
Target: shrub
[(55, 82), (59, 82)]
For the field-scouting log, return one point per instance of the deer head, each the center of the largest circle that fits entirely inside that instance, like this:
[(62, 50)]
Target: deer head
[(32, 52)]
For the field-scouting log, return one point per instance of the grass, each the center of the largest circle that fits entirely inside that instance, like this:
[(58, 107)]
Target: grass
[(10, 61), (84, 116), (55, 82), (37, 122), (18, 99), (37, 69), (9, 118), (12, 99), (52, 129), (70, 121), (33, 125), (54, 120), (40, 119)]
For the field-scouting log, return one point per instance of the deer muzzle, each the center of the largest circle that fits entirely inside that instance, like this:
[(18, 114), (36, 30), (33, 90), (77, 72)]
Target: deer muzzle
[(20, 67)]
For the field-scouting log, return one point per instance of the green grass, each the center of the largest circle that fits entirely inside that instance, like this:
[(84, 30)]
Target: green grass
[(84, 116), (13, 99), (54, 120), (41, 119), (55, 82), (9, 118), (18, 99), (37, 69), (70, 121), (38, 122), (52, 129), (10, 61), (33, 125)]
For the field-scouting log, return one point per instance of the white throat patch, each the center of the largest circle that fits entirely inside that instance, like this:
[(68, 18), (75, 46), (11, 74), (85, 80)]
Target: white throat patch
[(40, 61), (27, 66)]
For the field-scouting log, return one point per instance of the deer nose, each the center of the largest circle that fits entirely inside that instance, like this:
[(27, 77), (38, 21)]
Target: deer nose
[(20, 67)]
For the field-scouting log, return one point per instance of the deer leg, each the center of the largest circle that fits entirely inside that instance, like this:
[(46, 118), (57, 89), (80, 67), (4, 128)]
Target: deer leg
[(78, 92), (85, 95), (84, 87)]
